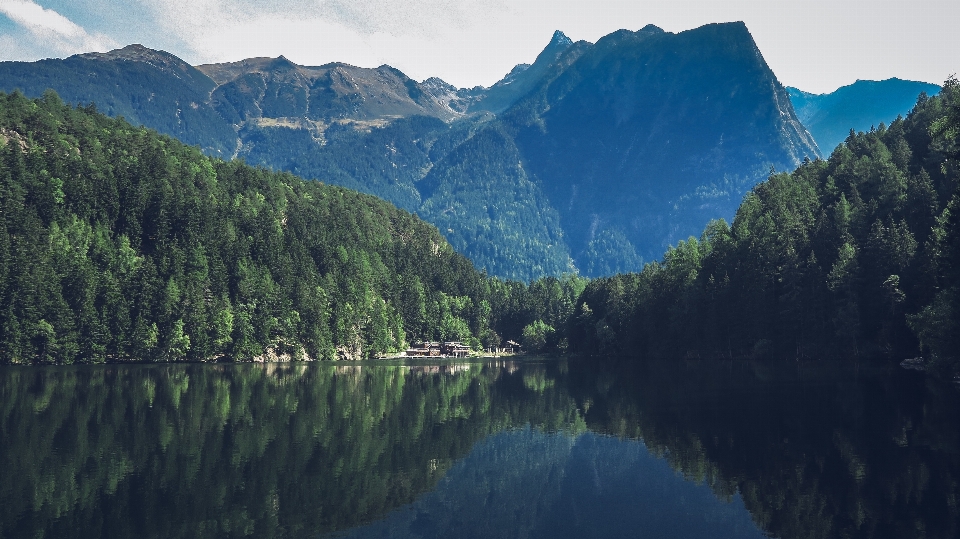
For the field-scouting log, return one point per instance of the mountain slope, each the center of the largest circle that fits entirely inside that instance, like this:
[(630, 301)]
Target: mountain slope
[(858, 106), (148, 87), (648, 135), (523, 78), (483, 200)]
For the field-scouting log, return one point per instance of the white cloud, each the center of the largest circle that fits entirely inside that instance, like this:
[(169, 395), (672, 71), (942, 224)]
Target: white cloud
[(51, 31), (462, 41)]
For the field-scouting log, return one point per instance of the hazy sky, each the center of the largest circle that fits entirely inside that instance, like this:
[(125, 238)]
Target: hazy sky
[(816, 45)]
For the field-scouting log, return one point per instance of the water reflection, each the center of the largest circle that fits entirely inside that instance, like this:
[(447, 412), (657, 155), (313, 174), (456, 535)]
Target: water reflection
[(224, 451), (498, 449), (815, 449), (534, 484)]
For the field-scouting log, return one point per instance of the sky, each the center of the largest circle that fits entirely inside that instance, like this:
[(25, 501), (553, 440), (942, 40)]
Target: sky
[(813, 45)]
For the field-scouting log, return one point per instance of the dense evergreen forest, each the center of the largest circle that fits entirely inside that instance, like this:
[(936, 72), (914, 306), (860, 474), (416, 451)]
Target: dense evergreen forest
[(117, 243), (855, 255)]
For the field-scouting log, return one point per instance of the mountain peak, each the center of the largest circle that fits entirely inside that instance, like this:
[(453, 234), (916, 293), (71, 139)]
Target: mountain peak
[(162, 60), (282, 63), (517, 69), (135, 52), (651, 29), (560, 39)]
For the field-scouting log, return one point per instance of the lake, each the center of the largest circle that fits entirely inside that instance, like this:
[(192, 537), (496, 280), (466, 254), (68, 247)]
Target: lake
[(482, 448)]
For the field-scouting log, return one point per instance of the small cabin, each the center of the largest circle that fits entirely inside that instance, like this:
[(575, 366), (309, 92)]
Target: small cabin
[(424, 349), (455, 349)]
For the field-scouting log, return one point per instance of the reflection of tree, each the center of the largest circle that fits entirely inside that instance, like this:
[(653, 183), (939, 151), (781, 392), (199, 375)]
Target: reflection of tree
[(814, 450), (187, 451)]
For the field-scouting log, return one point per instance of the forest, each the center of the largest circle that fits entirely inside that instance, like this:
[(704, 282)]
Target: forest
[(856, 255), (119, 244)]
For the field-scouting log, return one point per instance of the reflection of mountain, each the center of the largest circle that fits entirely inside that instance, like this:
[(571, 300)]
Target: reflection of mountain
[(533, 484), (502, 488)]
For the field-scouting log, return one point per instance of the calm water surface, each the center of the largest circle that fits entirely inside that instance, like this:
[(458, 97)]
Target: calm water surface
[(531, 449)]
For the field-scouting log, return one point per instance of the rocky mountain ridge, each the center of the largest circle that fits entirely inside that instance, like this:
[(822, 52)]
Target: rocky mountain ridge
[(647, 132), (593, 158)]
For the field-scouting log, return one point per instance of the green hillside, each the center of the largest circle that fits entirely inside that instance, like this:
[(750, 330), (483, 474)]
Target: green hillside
[(120, 244)]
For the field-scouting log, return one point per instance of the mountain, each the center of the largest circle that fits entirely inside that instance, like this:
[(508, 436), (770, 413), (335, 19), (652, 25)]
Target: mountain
[(593, 158), (859, 106), (639, 140), (211, 105), (270, 89), (148, 87), (523, 78)]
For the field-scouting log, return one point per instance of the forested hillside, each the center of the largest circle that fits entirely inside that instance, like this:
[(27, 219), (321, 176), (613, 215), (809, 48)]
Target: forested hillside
[(858, 254), (117, 243)]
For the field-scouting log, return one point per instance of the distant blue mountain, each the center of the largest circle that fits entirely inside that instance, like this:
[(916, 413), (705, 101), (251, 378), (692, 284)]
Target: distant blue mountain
[(858, 106)]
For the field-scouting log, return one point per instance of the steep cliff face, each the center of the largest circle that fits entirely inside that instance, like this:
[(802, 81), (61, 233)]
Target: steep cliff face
[(648, 135), (673, 130)]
